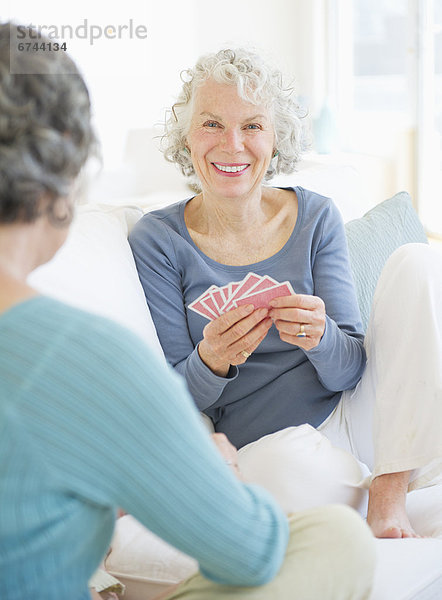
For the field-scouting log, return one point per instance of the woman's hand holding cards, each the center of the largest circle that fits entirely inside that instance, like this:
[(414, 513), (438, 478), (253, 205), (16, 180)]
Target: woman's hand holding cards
[(229, 339), (242, 312), (300, 319)]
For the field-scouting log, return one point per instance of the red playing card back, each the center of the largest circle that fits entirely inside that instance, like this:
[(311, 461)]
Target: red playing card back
[(261, 299)]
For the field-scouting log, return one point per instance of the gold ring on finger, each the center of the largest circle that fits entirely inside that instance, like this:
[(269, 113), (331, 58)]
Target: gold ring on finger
[(245, 354), (301, 333)]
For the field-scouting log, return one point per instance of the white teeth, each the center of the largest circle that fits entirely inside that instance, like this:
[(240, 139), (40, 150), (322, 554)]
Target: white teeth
[(232, 169)]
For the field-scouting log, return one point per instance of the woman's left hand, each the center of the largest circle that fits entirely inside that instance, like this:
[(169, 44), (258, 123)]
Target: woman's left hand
[(227, 451), (297, 314)]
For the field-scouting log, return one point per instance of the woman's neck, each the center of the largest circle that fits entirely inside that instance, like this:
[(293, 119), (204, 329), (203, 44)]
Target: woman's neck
[(228, 216), (18, 256), (13, 290)]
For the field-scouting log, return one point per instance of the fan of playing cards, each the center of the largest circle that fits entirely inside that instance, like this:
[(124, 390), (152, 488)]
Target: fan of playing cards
[(253, 289)]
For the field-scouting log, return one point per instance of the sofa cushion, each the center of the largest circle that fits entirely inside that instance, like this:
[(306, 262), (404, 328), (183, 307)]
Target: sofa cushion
[(143, 562), (407, 569), (372, 238), (95, 270)]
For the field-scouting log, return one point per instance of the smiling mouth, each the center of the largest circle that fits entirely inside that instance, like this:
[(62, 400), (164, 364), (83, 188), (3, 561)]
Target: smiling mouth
[(230, 168)]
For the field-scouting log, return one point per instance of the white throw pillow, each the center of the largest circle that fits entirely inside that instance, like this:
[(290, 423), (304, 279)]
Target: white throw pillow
[(95, 270)]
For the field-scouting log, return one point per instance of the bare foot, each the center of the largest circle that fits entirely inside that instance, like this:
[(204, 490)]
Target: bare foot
[(387, 516)]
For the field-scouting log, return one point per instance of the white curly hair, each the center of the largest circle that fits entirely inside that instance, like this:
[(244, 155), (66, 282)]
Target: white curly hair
[(257, 82)]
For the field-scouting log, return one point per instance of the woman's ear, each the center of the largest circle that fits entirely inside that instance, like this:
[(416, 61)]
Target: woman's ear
[(60, 211)]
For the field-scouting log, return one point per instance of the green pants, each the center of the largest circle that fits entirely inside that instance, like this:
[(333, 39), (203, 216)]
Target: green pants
[(330, 556)]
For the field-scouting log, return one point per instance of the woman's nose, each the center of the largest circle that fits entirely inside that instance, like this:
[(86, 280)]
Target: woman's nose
[(233, 140)]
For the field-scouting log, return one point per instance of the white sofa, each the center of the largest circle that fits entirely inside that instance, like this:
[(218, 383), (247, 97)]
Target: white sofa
[(95, 271)]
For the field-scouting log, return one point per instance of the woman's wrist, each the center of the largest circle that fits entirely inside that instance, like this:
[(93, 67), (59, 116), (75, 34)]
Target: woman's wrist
[(219, 369)]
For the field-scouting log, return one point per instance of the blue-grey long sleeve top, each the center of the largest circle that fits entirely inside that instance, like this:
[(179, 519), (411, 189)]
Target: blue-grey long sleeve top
[(280, 385)]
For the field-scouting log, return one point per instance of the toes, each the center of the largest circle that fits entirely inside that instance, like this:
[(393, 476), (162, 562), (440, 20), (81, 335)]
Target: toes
[(395, 533), (391, 532), (388, 530)]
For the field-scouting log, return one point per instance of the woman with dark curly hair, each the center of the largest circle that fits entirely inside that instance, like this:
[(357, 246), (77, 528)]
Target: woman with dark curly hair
[(90, 420)]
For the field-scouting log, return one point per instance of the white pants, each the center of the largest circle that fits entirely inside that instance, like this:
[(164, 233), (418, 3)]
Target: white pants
[(390, 422)]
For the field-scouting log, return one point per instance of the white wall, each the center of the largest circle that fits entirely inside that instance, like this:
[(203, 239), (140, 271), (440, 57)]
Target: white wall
[(289, 32), (132, 82)]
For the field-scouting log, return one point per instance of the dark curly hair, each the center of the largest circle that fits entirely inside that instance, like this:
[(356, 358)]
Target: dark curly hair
[(45, 130)]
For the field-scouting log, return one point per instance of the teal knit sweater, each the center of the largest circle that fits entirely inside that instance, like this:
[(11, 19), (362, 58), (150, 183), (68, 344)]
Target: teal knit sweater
[(91, 420)]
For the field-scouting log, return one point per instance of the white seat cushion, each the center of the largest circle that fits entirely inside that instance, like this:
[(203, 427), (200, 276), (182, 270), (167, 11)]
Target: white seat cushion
[(143, 562), (406, 569)]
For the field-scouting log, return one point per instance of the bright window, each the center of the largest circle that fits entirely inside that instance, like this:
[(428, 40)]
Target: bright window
[(386, 85)]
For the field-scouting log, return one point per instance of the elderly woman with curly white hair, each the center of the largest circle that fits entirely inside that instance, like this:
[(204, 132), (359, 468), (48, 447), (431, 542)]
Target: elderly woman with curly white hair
[(259, 374)]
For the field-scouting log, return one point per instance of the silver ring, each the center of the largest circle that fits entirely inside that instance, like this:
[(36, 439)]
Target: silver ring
[(245, 353), (301, 333)]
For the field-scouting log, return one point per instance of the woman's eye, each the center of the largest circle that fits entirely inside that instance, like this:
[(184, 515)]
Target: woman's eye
[(253, 126), (211, 124)]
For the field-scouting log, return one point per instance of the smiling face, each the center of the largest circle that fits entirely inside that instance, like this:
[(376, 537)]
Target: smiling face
[(231, 141)]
